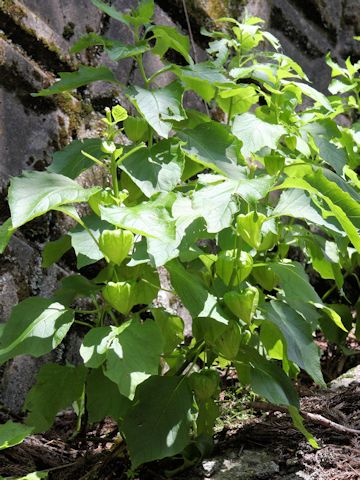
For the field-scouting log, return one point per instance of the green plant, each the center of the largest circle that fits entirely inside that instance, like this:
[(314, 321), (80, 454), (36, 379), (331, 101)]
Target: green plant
[(222, 206)]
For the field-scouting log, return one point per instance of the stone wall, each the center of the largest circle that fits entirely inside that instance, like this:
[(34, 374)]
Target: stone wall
[(35, 36)]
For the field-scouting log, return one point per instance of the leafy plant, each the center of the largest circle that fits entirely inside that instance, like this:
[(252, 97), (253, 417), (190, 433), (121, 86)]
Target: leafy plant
[(223, 207)]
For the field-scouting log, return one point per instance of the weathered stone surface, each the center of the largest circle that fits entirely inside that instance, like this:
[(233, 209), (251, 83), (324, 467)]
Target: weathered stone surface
[(243, 465), (8, 295), (352, 375)]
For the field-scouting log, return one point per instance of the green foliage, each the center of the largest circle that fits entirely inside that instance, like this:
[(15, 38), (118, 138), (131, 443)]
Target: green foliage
[(13, 433), (56, 388), (221, 207)]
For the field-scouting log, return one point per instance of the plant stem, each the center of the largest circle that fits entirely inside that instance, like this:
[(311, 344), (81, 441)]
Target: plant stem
[(130, 152), (142, 70), (114, 176), (159, 72)]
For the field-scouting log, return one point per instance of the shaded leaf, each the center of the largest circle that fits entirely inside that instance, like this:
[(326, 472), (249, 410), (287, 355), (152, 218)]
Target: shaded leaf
[(157, 169), (56, 388), (301, 348), (162, 405), (72, 80), (54, 250), (210, 145), (12, 433), (115, 49), (6, 232), (71, 162), (169, 37), (267, 379), (103, 398), (193, 294)]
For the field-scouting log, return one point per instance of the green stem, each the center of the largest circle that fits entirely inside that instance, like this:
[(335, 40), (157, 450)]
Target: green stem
[(333, 288), (114, 177), (192, 356), (159, 72), (229, 112), (130, 152), (85, 324), (142, 70)]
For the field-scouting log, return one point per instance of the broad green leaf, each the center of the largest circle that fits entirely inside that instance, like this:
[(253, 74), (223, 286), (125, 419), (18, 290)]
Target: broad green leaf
[(54, 250), (312, 93), (295, 203), (157, 169), (325, 258), (203, 78), (332, 155), (301, 348), (52, 190), (134, 356), (160, 107), (210, 144), (131, 352), (162, 405), (85, 240), (298, 292), (6, 232), (193, 294), (115, 49), (72, 80), (103, 398), (343, 200), (95, 345), (70, 162), (74, 286), (150, 220), (143, 13), (36, 326), (237, 100), (56, 388), (336, 201), (12, 433), (228, 342), (171, 327), (169, 37), (217, 203), (255, 133), (144, 219), (111, 11), (267, 379)]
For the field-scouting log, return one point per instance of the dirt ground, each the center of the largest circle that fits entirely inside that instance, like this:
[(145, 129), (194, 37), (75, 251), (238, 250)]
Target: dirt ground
[(101, 457)]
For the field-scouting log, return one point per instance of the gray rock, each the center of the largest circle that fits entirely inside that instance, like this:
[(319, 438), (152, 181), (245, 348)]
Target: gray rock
[(245, 465), (8, 295), (344, 380)]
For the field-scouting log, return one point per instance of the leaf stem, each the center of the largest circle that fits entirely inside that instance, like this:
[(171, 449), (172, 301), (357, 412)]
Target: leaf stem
[(114, 177), (130, 152), (159, 72)]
